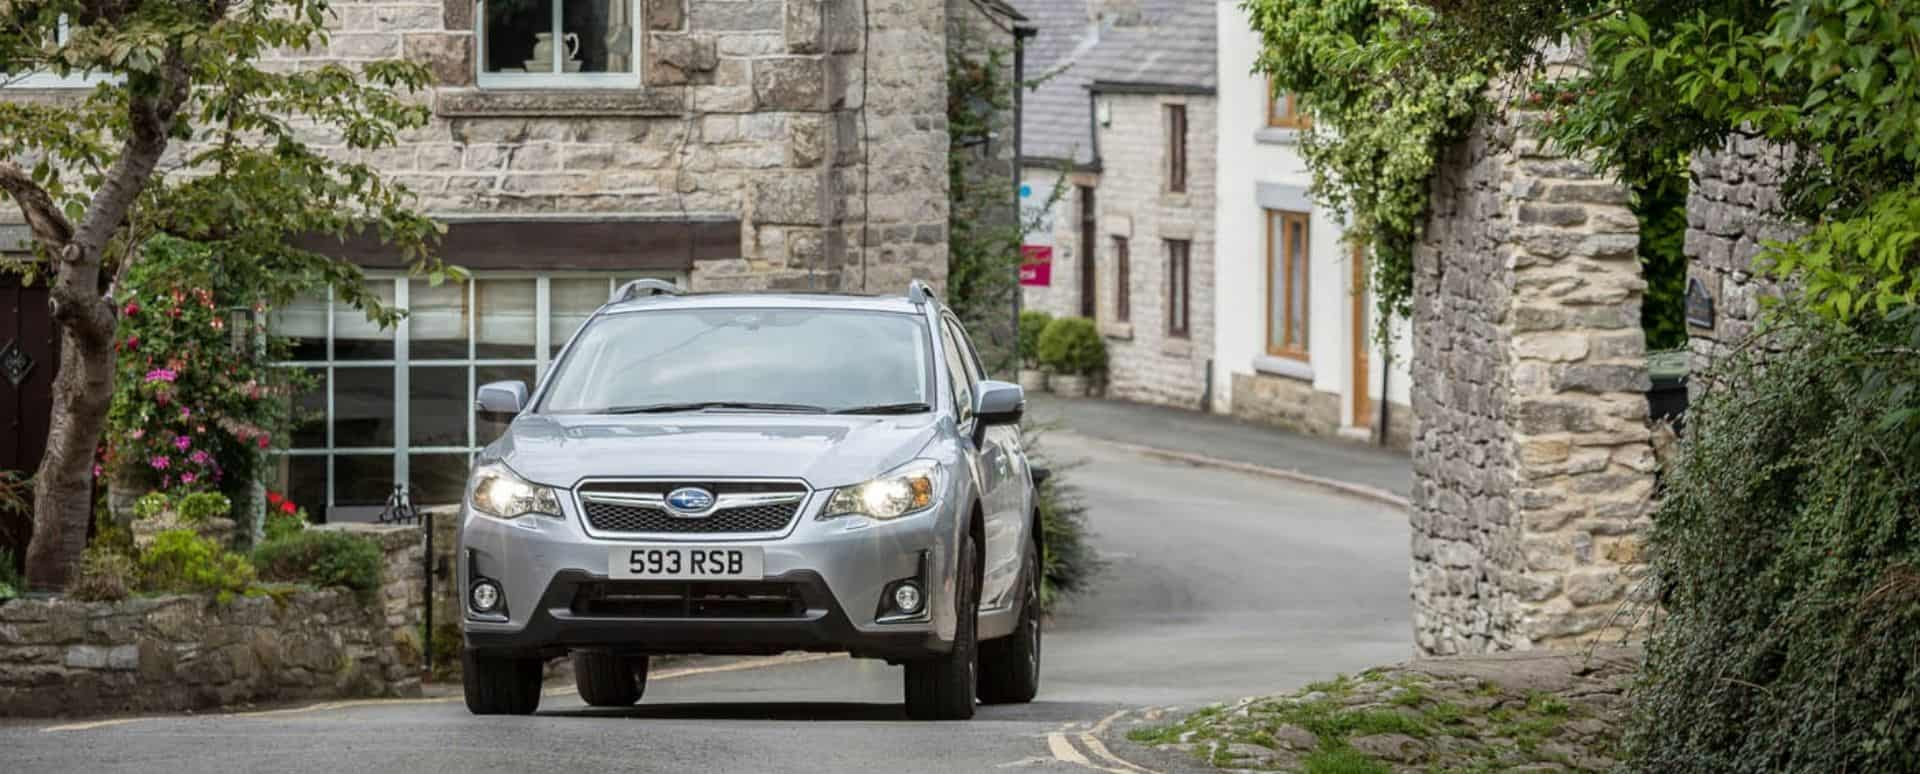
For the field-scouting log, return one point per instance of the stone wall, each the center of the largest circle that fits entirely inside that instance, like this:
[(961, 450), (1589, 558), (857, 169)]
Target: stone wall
[(1144, 362), (1533, 466), (1732, 208), (60, 657)]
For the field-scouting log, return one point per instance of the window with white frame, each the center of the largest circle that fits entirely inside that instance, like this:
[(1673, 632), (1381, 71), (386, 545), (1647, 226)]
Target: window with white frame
[(559, 43), (395, 405), (43, 79)]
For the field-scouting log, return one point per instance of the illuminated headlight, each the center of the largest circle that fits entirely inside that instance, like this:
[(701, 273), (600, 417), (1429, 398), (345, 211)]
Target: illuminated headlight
[(905, 490), (496, 491)]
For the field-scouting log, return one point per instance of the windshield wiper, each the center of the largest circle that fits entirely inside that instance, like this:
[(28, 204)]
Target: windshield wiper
[(669, 408), (888, 408)]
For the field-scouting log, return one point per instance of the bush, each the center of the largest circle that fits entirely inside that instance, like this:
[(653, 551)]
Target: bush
[(1786, 551), (150, 505), (321, 558), (199, 507), (105, 575), (10, 581), (1071, 345), (1033, 322), (1070, 562), (183, 562)]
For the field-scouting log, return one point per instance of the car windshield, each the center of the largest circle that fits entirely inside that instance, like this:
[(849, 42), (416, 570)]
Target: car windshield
[(799, 360)]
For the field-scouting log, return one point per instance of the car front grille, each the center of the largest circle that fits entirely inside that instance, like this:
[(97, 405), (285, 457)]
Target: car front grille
[(612, 516), (689, 599)]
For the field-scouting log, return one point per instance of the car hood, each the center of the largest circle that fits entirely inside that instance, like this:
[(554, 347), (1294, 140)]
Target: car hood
[(825, 451)]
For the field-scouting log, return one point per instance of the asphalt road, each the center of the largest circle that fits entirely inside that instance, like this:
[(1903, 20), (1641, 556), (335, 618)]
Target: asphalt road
[(1219, 585)]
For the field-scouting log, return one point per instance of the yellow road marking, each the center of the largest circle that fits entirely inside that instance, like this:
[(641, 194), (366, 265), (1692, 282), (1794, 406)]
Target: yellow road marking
[(1063, 750), (92, 724)]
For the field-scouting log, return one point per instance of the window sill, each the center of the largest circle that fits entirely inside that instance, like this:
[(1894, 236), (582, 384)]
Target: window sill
[(1177, 345), (520, 103), (1283, 366), (1114, 330), (1277, 135)]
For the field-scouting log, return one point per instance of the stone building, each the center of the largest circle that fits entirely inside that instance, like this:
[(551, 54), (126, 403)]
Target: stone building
[(1294, 333), (576, 144), (1118, 143)]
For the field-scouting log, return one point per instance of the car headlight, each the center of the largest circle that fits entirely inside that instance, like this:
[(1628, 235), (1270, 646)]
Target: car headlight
[(903, 491), (496, 491)]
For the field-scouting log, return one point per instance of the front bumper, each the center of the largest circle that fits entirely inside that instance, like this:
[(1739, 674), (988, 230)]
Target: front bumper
[(839, 569)]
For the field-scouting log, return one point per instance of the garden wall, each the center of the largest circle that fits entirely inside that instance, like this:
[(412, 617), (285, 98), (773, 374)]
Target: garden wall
[(60, 657), (1733, 208), (1534, 467)]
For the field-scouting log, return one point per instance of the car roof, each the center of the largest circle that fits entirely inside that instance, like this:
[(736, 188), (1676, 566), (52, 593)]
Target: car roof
[(899, 304)]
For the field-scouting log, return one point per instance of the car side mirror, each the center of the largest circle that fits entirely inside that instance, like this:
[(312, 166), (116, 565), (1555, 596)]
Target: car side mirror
[(1000, 403), (501, 399)]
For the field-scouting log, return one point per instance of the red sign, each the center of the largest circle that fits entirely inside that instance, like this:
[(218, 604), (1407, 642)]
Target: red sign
[(1036, 266)]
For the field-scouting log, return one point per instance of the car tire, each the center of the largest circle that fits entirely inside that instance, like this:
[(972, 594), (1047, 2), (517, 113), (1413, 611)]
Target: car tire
[(944, 687), (500, 685), (609, 679), (1010, 666)]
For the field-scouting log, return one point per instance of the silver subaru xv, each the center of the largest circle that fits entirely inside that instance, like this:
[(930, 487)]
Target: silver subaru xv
[(755, 474)]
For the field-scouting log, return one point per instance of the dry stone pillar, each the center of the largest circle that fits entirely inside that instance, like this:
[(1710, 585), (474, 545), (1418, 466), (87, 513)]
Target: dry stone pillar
[(1533, 470)]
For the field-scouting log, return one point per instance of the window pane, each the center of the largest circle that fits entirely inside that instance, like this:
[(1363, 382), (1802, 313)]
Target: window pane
[(304, 480), (514, 29), (310, 412), (506, 322), (1276, 283), (437, 479), (570, 301), (489, 429), (362, 479), (1298, 281), (437, 405), (355, 337), (437, 320), (363, 407), (602, 32), (305, 321)]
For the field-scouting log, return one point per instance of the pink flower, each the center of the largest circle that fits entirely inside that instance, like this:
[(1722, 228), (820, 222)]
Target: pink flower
[(264, 441), (133, 342), (138, 434), (186, 478), (97, 470), (166, 481), (162, 375), (132, 308), (199, 457), (182, 442), (185, 412), (158, 462)]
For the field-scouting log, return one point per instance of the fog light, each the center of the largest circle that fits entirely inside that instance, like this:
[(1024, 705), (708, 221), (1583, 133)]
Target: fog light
[(906, 598), (485, 597)]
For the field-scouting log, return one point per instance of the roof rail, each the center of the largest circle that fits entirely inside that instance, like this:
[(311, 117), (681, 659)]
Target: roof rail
[(644, 287), (919, 292)]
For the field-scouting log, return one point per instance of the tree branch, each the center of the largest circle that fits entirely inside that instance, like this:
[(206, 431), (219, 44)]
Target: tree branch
[(49, 225)]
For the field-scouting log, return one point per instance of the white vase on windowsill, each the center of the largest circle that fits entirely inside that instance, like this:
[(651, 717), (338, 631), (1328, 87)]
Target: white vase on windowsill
[(542, 61)]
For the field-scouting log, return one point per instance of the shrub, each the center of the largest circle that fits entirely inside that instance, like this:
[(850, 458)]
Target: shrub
[(321, 558), (184, 562), (150, 505), (105, 575), (1071, 345), (1033, 322), (1070, 562), (200, 507), (1786, 551)]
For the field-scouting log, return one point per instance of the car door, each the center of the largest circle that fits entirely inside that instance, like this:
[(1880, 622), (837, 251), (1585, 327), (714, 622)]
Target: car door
[(1003, 503)]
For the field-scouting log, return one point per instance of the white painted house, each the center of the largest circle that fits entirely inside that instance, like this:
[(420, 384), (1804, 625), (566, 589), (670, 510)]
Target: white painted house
[(1292, 341)]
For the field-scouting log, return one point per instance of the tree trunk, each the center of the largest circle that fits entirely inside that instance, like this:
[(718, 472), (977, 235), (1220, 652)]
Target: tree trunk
[(82, 391)]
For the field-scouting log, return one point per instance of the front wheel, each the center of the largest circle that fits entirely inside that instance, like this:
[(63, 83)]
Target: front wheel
[(500, 685), (1010, 666), (609, 679), (944, 687)]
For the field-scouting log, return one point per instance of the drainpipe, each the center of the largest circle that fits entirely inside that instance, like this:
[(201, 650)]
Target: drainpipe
[(1386, 401), (1206, 390), (1020, 36)]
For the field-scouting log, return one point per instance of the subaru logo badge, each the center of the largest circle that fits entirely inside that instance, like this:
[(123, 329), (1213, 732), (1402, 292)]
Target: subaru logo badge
[(690, 500)]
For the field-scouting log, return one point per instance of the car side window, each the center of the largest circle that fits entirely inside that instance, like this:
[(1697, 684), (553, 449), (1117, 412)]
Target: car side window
[(972, 355), (962, 378)]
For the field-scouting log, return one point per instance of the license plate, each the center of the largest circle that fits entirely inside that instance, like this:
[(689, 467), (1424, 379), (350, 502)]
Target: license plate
[(688, 563)]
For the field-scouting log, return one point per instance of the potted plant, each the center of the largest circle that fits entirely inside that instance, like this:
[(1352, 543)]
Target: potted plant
[(1032, 323), (1073, 349)]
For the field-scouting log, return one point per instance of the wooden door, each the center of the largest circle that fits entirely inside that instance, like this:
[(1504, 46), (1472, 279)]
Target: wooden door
[(27, 363), (1362, 341)]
